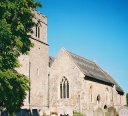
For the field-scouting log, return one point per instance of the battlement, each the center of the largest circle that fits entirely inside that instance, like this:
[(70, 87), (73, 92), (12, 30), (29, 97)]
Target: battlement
[(40, 16)]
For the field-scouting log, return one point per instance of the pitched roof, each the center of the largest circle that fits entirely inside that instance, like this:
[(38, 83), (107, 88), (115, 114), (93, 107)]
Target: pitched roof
[(91, 69)]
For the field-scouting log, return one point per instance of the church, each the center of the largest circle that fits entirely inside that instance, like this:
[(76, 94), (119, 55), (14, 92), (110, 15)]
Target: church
[(68, 83)]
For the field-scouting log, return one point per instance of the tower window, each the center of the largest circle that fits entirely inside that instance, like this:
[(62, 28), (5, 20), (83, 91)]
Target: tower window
[(38, 32), (64, 88), (38, 29)]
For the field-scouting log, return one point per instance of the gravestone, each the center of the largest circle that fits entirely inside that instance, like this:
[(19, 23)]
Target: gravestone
[(89, 113), (98, 112), (123, 111), (106, 114), (35, 112), (112, 111)]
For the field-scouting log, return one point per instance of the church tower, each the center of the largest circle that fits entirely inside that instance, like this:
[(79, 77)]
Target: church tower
[(38, 63), (35, 65)]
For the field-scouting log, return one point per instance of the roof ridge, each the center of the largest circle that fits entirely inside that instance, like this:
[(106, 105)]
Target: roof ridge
[(82, 57), (68, 52)]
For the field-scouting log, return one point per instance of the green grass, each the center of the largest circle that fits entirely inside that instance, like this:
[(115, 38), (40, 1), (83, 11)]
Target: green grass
[(77, 114)]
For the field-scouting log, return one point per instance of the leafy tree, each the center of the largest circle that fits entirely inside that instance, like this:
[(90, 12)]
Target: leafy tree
[(13, 88), (16, 22)]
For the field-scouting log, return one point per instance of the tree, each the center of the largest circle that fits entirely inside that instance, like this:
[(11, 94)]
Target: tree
[(16, 22), (13, 87)]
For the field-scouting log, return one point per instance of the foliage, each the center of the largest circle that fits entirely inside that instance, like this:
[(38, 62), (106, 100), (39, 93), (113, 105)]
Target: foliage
[(13, 88), (77, 114), (127, 99), (16, 22)]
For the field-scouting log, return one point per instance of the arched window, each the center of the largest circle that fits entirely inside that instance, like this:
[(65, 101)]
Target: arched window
[(107, 95), (98, 98), (64, 88), (38, 29), (105, 106), (38, 32), (91, 94)]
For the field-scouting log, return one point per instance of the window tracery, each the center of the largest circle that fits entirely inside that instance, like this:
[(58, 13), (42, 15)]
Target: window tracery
[(38, 25), (64, 88)]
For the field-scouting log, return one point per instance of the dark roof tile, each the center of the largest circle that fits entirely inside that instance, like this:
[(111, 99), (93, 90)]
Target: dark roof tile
[(91, 69)]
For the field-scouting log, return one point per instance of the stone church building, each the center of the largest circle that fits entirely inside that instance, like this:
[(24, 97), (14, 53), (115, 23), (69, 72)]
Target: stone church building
[(68, 83)]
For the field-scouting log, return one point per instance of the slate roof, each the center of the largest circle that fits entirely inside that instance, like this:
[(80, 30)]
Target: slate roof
[(91, 69)]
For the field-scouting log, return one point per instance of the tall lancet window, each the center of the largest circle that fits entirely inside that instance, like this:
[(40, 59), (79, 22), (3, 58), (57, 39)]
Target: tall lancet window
[(91, 94), (38, 25), (107, 96), (38, 32), (64, 88)]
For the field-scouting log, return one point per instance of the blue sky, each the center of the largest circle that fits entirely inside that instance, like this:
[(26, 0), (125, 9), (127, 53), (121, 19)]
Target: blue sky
[(94, 29)]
